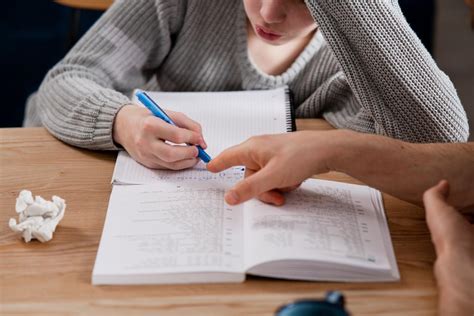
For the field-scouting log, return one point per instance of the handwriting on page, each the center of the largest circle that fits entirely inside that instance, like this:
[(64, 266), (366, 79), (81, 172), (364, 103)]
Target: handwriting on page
[(131, 172), (322, 220), (185, 227), (327, 222)]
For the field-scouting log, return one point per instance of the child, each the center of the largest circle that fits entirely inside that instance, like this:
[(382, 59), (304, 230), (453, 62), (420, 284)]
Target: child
[(369, 72)]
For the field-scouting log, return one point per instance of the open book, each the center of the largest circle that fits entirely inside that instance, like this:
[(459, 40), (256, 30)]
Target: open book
[(181, 231), (227, 119)]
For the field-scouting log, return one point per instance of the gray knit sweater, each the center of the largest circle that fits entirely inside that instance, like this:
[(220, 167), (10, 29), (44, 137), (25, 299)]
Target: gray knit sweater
[(364, 70)]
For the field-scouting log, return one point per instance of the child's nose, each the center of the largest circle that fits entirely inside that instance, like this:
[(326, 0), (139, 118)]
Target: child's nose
[(273, 11)]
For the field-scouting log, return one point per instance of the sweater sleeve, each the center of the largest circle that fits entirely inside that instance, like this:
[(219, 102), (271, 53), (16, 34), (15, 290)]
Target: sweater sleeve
[(392, 76), (80, 96)]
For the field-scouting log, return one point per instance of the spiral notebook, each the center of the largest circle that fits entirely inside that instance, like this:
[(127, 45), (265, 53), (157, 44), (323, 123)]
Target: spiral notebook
[(227, 119)]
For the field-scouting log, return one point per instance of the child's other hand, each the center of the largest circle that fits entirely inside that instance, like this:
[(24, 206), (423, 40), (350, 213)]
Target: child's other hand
[(274, 164), (453, 238), (143, 136)]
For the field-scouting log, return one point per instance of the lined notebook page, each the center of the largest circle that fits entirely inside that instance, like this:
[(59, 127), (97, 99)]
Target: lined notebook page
[(227, 119)]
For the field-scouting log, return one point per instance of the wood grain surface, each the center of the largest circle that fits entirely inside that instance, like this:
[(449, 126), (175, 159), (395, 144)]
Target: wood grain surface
[(55, 278)]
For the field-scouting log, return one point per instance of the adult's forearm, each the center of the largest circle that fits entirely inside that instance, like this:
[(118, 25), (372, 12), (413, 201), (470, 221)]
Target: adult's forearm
[(406, 170)]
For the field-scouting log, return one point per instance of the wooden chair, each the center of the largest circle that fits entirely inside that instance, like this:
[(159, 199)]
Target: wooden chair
[(77, 6), (470, 3), (86, 4)]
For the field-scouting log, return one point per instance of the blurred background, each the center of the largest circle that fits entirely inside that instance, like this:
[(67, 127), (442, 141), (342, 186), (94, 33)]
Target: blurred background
[(38, 33)]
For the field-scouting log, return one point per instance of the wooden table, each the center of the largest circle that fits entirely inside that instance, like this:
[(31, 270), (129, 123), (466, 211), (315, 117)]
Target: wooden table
[(77, 6), (55, 278)]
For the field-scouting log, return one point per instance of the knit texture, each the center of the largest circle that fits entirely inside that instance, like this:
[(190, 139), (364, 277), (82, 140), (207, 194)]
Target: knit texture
[(364, 69)]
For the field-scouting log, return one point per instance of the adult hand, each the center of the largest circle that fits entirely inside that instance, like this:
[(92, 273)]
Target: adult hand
[(453, 238), (143, 136), (275, 164)]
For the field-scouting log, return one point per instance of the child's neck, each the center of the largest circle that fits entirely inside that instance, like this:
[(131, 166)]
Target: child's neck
[(274, 60)]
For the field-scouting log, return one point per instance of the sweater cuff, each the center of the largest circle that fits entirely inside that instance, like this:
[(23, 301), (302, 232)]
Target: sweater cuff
[(108, 103)]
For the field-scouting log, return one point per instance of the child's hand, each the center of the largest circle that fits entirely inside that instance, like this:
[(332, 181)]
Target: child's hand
[(274, 164), (143, 136), (453, 238)]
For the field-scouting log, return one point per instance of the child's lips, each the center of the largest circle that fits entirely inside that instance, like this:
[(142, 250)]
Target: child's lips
[(267, 34)]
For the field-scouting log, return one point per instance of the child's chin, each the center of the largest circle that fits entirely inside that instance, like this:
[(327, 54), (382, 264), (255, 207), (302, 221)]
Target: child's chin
[(278, 43)]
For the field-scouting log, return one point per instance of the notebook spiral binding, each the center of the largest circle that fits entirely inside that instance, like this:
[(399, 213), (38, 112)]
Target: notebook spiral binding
[(290, 110)]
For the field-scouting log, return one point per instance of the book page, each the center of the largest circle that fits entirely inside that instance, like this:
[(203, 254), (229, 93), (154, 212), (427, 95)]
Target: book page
[(170, 228), (322, 220), (227, 119)]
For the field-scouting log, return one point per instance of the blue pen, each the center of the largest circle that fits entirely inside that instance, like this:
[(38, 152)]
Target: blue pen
[(158, 112)]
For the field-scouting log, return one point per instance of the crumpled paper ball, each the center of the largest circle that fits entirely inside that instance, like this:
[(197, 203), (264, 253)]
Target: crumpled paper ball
[(37, 218)]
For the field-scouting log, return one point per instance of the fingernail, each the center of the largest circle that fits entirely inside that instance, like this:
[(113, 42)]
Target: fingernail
[(232, 197), (280, 201)]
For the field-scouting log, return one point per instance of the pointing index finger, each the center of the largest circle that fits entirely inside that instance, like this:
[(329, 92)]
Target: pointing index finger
[(231, 157), (256, 183)]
